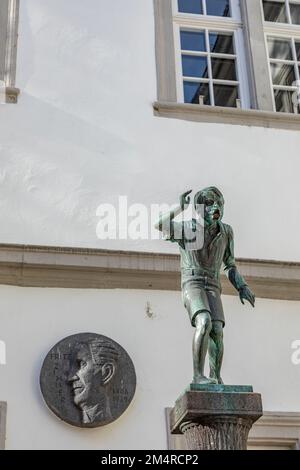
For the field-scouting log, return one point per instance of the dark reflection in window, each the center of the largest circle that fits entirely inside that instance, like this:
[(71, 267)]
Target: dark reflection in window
[(280, 48), (225, 95), (194, 66), (283, 74), (284, 101), (192, 41), (221, 43), (275, 11), (194, 91), (190, 6), (295, 12), (218, 7), (223, 69), (298, 50)]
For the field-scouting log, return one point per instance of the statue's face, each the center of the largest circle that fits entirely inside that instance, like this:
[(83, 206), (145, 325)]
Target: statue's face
[(87, 381), (213, 207)]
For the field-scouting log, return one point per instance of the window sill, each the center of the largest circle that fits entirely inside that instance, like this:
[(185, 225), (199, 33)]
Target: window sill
[(220, 115)]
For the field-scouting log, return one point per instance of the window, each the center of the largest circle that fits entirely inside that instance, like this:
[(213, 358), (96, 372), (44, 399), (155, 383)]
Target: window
[(284, 57), (211, 65), (283, 46), (282, 11), (205, 7), (239, 55), (9, 15)]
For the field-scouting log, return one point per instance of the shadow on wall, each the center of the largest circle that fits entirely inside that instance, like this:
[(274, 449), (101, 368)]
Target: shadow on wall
[(55, 169)]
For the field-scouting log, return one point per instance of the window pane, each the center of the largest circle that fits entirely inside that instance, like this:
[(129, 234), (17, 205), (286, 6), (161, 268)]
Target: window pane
[(221, 43), (193, 66), (218, 7), (275, 11), (280, 48), (225, 95), (223, 69), (192, 41), (284, 101), (295, 13), (298, 50), (283, 74), (190, 6), (192, 91)]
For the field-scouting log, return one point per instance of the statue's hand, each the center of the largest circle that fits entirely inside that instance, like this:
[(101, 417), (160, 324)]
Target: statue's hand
[(185, 200), (246, 294)]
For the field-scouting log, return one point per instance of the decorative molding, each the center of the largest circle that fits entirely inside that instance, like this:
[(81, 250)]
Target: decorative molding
[(164, 51), (286, 420), (12, 94), (282, 29), (277, 430), (46, 266), (207, 21), (3, 411), (220, 115)]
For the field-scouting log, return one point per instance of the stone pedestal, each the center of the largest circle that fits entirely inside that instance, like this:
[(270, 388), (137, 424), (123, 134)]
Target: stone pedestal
[(216, 417)]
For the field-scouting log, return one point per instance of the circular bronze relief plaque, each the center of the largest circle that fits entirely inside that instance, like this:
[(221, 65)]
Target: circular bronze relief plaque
[(88, 380)]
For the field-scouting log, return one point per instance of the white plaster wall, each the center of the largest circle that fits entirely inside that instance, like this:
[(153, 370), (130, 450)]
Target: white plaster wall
[(258, 352), (83, 133)]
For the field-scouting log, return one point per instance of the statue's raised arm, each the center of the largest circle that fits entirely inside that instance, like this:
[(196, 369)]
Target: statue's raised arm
[(165, 219)]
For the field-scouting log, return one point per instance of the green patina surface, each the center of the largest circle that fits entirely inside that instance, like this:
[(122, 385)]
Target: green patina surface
[(220, 388), (205, 244)]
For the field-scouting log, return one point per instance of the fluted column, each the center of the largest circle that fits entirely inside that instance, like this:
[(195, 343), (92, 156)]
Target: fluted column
[(213, 420)]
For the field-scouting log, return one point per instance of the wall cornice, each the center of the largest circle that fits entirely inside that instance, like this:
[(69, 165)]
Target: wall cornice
[(49, 266)]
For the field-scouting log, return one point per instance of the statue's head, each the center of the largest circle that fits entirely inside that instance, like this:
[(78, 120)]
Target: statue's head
[(209, 203), (96, 365)]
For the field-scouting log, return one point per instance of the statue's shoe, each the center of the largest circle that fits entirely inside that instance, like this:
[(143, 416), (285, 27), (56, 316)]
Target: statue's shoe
[(217, 380)]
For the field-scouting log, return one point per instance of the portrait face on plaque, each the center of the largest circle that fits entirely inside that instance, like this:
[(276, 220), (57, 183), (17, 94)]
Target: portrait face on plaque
[(88, 380)]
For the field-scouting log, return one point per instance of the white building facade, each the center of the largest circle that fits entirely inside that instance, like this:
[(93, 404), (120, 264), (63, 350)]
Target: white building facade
[(142, 100)]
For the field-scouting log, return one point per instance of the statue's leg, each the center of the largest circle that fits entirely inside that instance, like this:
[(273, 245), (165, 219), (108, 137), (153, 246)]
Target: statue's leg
[(203, 326), (216, 350)]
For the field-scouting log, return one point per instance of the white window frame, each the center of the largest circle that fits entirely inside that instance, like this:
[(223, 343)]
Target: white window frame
[(196, 22), (282, 31)]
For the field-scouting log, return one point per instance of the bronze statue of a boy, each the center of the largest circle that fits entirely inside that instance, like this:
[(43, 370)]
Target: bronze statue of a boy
[(200, 275)]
